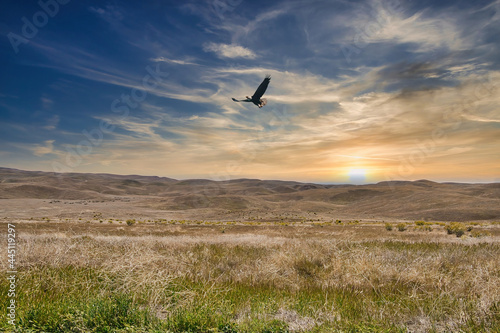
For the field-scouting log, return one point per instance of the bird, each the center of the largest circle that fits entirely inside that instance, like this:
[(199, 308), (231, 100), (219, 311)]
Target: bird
[(256, 98)]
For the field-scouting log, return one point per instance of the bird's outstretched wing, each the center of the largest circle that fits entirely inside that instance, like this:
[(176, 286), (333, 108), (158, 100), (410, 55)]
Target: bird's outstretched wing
[(240, 100), (262, 88)]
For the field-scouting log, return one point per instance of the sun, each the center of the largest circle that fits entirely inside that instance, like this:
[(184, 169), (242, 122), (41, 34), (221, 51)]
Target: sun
[(357, 175)]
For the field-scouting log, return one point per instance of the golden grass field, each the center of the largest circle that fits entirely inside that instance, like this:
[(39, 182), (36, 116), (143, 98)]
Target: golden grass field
[(104, 275)]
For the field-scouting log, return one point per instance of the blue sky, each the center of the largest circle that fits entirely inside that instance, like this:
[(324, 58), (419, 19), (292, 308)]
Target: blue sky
[(361, 91)]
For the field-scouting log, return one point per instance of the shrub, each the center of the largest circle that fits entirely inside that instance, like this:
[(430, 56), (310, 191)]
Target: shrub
[(388, 226), (420, 222), (130, 222), (401, 226), (480, 233), (456, 228)]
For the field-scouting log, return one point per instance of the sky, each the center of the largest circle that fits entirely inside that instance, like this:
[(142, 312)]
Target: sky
[(361, 91)]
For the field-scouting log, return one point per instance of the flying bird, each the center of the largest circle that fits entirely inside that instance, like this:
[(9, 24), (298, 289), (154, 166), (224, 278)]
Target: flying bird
[(256, 98)]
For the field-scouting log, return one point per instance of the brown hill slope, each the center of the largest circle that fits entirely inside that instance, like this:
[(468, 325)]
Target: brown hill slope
[(421, 199)]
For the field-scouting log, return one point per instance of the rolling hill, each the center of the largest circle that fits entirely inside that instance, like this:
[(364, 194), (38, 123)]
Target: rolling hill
[(420, 199)]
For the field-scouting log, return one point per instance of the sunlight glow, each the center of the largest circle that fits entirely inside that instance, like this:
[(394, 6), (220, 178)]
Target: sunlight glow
[(357, 175)]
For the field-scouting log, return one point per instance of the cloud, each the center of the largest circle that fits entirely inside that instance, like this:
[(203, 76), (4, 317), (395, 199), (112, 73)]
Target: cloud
[(173, 61), (46, 148), (111, 14), (242, 31), (428, 33), (480, 119), (379, 22), (52, 123), (229, 51), (47, 103)]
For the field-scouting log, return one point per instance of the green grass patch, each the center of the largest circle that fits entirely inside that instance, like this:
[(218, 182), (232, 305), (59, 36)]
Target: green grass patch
[(291, 286)]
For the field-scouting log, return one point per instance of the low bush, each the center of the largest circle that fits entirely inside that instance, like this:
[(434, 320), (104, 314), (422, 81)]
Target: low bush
[(456, 228), (480, 233), (401, 226)]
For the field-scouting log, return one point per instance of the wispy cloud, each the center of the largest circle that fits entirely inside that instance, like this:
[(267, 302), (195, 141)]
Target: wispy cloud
[(46, 102), (229, 51), (44, 149), (428, 33), (52, 122), (173, 61)]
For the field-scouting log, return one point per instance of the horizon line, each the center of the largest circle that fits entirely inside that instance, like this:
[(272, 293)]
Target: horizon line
[(258, 179)]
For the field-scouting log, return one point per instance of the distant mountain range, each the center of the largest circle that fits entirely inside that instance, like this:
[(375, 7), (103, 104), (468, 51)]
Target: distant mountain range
[(420, 199)]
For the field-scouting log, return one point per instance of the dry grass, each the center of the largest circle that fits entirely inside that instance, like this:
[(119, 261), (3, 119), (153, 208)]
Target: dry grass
[(197, 279)]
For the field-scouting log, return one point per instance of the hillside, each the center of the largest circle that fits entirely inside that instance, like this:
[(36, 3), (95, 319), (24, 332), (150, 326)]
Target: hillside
[(421, 199)]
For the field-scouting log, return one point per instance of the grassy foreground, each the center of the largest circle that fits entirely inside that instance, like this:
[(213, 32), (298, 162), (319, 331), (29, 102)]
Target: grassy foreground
[(252, 283)]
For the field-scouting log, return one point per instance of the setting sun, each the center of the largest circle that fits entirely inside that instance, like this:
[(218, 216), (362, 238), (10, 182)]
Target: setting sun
[(357, 175)]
